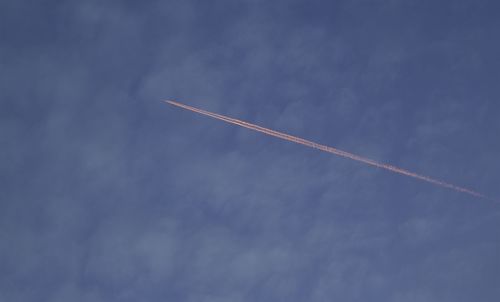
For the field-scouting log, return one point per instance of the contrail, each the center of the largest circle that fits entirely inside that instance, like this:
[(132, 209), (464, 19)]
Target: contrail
[(332, 150)]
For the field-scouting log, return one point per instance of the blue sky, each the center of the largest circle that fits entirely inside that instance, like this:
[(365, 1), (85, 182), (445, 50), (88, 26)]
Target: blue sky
[(107, 194)]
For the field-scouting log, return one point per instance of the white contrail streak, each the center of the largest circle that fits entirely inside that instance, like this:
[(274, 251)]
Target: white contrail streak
[(329, 149)]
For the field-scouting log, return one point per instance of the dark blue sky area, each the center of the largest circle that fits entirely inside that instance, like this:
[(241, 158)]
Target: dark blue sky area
[(107, 194)]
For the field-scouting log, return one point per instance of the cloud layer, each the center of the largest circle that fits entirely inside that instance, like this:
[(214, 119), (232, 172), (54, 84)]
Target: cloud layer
[(109, 195)]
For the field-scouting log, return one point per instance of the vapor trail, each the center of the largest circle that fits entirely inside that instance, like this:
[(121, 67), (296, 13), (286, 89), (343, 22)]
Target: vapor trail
[(329, 149)]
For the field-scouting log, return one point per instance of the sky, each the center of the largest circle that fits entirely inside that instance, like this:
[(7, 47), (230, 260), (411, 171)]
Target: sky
[(108, 194)]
